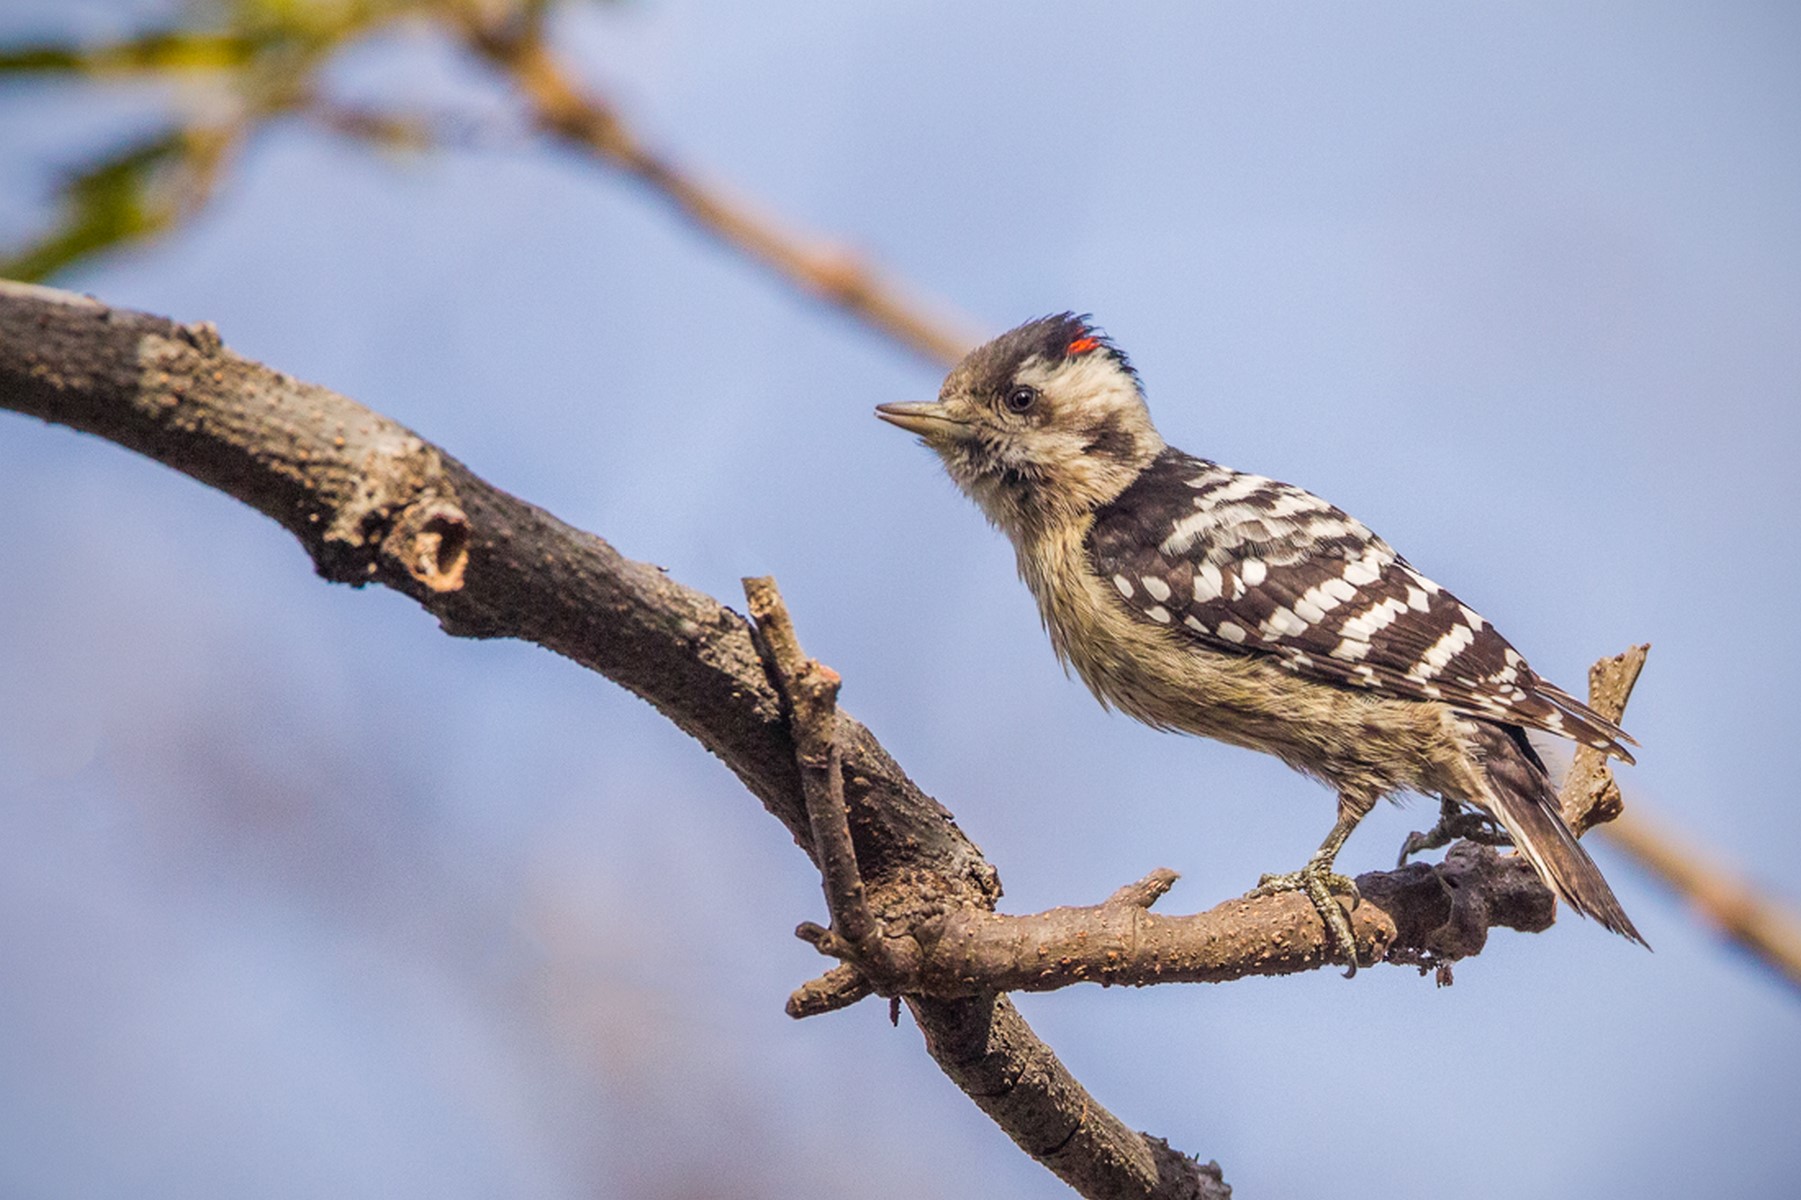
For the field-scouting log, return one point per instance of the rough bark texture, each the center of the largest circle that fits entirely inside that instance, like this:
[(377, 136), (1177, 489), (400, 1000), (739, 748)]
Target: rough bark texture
[(373, 503)]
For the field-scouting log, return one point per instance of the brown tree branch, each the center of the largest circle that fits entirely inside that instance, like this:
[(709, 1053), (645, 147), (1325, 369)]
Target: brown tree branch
[(811, 690), (373, 503)]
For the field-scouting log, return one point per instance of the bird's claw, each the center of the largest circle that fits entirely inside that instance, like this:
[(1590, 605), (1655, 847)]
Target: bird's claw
[(1455, 822), (1319, 881)]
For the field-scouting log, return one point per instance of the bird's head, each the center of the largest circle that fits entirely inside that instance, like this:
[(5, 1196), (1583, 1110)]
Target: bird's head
[(1042, 424)]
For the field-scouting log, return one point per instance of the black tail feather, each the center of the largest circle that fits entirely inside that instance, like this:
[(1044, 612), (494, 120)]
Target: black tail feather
[(1523, 799), (1590, 727)]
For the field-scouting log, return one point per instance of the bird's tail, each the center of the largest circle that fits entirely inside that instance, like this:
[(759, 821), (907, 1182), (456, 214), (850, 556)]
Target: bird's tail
[(1525, 802)]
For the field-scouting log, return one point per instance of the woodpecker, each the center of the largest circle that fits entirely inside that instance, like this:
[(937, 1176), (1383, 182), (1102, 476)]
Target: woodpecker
[(1213, 602)]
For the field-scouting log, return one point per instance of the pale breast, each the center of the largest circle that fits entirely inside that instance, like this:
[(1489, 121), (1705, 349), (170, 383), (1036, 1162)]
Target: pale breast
[(1357, 742)]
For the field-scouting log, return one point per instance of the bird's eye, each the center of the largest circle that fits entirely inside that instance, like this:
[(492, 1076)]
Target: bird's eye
[(1021, 399)]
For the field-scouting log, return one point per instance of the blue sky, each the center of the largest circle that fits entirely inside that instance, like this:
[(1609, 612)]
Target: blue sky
[(300, 897)]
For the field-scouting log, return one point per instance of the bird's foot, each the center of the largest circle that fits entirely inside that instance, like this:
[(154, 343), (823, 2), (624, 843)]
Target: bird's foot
[(1319, 881), (1454, 822)]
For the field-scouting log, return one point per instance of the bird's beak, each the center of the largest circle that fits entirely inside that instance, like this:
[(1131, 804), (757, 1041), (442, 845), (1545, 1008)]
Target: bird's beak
[(926, 418)]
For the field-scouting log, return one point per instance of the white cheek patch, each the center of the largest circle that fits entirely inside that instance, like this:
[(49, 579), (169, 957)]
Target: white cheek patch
[(1093, 376)]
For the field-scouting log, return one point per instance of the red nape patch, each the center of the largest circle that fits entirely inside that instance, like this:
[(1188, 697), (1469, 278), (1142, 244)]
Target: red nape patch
[(1083, 345)]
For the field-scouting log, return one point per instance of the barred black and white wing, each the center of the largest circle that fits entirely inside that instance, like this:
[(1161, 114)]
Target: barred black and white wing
[(1248, 565)]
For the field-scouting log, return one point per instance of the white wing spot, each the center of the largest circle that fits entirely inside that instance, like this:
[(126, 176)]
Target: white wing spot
[(1417, 599), (1441, 652), (1367, 624), (1308, 611), (1183, 533), (1282, 623), (1231, 632), (1194, 624), (1350, 649), (1364, 571), (1123, 584), (1475, 618), (1207, 583), (1294, 500), (1158, 613), (1238, 489), (1323, 598), (1156, 587), (1253, 571)]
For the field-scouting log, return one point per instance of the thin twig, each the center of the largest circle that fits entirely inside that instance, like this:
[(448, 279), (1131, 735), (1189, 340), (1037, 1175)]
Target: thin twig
[(1590, 796), (574, 114), (811, 690)]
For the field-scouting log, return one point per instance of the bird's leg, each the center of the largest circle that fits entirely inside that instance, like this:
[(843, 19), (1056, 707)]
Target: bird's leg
[(1455, 821), (1318, 880)]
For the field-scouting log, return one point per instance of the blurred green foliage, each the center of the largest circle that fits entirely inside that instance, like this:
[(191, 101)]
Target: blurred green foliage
[(258, 59)]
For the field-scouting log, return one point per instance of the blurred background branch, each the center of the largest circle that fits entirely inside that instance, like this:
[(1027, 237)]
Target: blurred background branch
[(261, 60), (1722, 897)]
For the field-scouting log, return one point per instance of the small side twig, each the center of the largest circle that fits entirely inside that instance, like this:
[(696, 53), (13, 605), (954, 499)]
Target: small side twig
[(1590, 796), (1145, 892), (811, 691)]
